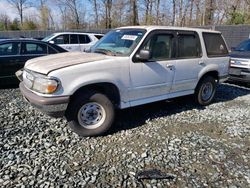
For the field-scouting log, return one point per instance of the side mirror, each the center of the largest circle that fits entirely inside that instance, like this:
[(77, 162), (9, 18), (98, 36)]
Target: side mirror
[(143, 55), (88, 49), (52, 42)]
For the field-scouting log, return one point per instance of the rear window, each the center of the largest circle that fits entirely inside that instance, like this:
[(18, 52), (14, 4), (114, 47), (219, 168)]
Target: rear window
[(33, 48), (215, 45)]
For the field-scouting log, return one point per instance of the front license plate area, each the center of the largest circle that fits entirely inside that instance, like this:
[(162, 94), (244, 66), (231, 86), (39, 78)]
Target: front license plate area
[(235, 71)]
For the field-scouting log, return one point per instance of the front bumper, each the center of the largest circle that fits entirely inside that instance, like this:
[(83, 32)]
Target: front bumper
[(53, 106), (239, 74)]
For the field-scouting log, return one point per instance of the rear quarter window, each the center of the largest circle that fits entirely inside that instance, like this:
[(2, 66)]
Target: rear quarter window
[(51, 50), (84, 39), (98, 36), (215, 45)]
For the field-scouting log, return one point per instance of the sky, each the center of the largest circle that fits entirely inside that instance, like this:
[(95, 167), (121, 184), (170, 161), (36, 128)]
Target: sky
[(7, 8)]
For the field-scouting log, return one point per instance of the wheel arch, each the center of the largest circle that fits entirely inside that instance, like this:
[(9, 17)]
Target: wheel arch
[(106, 88), (212, 73)]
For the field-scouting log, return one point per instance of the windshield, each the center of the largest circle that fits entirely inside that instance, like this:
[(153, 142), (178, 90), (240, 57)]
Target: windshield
[(119, 42), (244, 46), (48, 37)]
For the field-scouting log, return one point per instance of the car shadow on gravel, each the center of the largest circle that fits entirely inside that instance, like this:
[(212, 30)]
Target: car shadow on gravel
[(10, 86), (137, 116)]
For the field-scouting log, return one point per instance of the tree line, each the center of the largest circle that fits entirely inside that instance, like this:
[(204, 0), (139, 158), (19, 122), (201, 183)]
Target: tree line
[(100, 14)]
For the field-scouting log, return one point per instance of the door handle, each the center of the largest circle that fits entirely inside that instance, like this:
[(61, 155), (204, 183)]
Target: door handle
[(201, 63), (170, 66), (14, 61)]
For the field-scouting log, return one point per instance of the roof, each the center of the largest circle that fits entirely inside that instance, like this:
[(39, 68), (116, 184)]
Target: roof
[(60, 33), (156, 27), (19, 39), (24, 40)]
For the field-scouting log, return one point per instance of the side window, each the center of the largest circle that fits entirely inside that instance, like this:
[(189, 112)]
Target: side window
[(160, 46), (188, 46), (61, 39), (51, 50), (74, 39), (98, 36), (84, 39), (215, 45), (33, 48), (12, 48)]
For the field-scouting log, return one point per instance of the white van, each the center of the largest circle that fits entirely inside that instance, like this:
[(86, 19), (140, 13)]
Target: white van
[(71, 41), (129, 66)]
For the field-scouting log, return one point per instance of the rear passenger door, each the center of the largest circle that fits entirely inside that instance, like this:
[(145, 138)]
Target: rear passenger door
[(31, 50), (85, 42), (74, 43), (188, 62)]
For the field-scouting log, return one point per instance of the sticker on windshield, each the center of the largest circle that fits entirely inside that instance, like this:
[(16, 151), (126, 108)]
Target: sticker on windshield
[(129, 37)]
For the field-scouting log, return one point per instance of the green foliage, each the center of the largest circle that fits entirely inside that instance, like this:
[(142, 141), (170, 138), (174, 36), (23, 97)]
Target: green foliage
[(29, 25), (14, 25), (1, 26), (237, 18)]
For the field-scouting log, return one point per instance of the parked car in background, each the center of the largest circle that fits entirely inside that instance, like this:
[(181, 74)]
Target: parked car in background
[(240, 62), (129, 66), (73, 41), (15, 52)]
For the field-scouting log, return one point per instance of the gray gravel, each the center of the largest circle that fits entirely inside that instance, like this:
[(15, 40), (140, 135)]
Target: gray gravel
[(200, 146)]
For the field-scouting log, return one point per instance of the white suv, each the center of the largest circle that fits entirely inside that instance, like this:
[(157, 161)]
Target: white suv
[(129, 66), (73, 41)]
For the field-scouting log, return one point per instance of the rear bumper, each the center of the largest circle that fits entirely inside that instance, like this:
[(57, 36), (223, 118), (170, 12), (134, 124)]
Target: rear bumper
[(239, 74), (53, 106)]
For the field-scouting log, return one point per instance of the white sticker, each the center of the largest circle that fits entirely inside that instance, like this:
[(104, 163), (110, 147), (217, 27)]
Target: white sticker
[(129, 37)]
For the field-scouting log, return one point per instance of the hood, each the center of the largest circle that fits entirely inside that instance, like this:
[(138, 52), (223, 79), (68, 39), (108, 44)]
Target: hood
[(240, 54), (46, 64)]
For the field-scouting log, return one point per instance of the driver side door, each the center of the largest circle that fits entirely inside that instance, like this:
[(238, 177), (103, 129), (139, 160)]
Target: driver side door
[(151, 79)]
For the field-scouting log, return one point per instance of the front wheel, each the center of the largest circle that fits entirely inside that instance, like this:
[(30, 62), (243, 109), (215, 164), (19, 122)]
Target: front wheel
[(205, 91), (90, 114)]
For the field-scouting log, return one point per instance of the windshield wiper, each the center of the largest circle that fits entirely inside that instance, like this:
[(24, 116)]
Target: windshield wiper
[(104, 51)]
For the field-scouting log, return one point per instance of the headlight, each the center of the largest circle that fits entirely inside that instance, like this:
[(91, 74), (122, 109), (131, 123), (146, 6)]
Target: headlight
[(40, 83), (232, 61), (45, 85)]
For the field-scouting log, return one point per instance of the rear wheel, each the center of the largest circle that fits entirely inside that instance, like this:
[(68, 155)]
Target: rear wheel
[(205, 91), (90, 114)]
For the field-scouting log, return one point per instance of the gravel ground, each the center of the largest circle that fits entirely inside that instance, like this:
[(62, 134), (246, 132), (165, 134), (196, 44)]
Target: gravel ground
[(197, 146)]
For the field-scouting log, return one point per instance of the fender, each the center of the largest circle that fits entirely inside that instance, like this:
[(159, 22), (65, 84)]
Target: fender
[(208, 68)]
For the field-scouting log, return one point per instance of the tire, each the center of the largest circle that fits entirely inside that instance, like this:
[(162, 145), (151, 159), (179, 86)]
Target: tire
[(205, 91), (90, 114)]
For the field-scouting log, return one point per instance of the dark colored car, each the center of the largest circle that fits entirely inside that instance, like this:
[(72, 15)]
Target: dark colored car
[(240, 62), (15, 52)]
